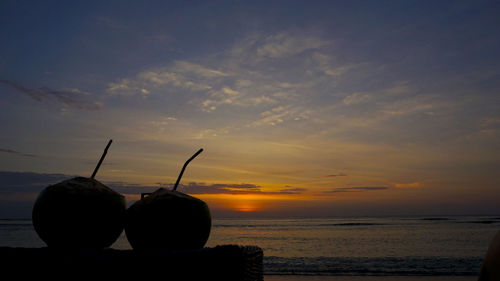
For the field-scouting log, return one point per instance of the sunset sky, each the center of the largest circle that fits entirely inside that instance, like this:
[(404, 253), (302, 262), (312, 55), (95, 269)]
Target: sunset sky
[(303, 108)]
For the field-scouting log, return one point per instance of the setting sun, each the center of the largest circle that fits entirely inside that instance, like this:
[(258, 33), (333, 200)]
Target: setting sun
[(245, 208), (247, 203), (240, 203)]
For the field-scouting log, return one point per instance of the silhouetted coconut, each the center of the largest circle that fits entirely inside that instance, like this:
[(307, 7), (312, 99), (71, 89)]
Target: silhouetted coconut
[(168, 219), (79, 213)]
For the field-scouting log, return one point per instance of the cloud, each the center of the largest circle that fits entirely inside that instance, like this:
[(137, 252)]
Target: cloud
[(280, 114), (271, 117), (17, 153), (145, 82), (325, 64), (27, 182), (71, 98), (242, 96), (216, 188), (225, 95), (490, 122), (198, 70), (180, 74), (245, 75), (410, 106), (207, 133), (204, 188), (162, 123), (287, 44), (295, 190), (356, 189), (356, 98), (393, 105), (336, 175), (408, 185)]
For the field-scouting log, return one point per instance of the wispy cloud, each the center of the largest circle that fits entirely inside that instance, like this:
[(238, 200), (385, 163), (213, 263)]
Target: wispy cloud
[(243, 76), (145, 82), (268, 80), (225, 95), (180, 74), (27, 182), (204, 188), (356, 189), (10, 151), (216, 188), (287, 44), (198, 70), (336, 175), (72, 98), (490, 122), (325, 64), (294, 190), (408, 185), (207, 133), (280, 114), (356, 98)]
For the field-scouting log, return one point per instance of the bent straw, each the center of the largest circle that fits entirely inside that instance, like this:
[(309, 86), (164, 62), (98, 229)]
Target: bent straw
[(102, 158), (184, 167)]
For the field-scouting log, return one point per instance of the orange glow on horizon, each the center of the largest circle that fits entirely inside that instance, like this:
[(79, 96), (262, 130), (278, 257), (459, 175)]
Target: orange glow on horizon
[(244, 202), (246, 208)]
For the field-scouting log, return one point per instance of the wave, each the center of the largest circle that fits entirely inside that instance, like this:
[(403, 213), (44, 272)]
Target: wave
[(368, 222), (296, 225), (482, 221), (349, 224), (352, 266)]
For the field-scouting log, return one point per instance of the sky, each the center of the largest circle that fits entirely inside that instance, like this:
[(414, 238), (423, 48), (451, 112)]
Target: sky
[(303, 108)]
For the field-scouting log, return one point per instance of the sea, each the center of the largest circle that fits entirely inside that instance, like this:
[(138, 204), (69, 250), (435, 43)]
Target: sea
[(427, 246)]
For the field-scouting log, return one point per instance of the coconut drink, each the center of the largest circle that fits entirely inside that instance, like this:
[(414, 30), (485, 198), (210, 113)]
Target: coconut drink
[(79, 213), (169, 220)]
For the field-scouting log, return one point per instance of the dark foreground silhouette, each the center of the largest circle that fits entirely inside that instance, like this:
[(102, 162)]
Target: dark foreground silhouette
[(226, 263), (490, 271)]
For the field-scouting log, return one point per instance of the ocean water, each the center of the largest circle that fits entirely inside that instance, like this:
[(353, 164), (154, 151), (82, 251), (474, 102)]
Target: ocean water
[(388, 246)]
